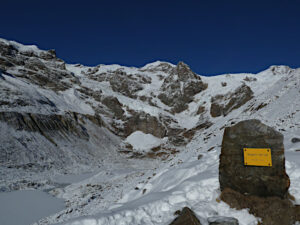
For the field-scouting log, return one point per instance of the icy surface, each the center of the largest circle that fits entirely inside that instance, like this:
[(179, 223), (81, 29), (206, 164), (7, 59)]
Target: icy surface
[(27, 207)]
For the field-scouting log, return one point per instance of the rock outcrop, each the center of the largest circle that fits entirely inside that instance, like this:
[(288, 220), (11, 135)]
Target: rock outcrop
[(221, 105), (186, 217), (56, 140), (253, 180), (180, 87), (31, 65), (145, 123), (46, 125), (114, 106)]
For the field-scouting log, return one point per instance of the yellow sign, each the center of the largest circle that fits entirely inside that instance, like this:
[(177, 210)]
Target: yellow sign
[(257, 157)]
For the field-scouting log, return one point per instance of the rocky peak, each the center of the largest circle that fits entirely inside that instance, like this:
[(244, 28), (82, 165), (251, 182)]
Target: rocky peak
[(280, 69), (39, 67), (158, 66), (180, 87), (47, 55), (184, 72)]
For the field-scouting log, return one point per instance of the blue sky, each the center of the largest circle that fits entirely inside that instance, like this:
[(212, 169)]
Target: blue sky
[(213, 37)]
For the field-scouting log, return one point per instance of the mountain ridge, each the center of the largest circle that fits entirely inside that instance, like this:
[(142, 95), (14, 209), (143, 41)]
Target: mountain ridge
[(58, 118)]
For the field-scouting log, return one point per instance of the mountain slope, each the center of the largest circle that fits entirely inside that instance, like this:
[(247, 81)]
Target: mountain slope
[(57, 119)]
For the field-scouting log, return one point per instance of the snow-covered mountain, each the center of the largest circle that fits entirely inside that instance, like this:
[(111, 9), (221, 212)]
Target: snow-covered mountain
[(149, 137)]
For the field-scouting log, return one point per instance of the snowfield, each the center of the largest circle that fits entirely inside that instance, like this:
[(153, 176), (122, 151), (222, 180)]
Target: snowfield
[(143, 142)]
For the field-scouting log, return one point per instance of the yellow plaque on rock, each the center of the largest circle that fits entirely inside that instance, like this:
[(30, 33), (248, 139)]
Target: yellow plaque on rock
[(257, 157)]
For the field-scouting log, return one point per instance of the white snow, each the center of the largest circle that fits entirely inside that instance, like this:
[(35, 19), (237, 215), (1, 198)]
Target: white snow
[(21, 47), (143, 142)]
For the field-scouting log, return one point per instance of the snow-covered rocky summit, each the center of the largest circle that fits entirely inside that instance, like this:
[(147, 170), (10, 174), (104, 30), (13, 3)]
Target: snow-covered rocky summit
[(57, 118)]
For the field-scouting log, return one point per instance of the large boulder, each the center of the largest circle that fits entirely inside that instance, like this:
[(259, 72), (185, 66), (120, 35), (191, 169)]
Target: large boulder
[(186, 217), (253, 180)]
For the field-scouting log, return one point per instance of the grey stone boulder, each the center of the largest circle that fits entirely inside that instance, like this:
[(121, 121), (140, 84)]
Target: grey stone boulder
[(295, 140), (222, 220), (186, 217), (253, 180)]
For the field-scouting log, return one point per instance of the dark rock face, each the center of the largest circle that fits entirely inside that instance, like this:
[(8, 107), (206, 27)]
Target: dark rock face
[(221, 220), (52, 74), (145, 123), (253, 180), (114, 105), (43, 145), (224, 104), (122, 83), (201, 109), (165, 67), (272, 210), (180, 87), (46, 125), (186, 217)]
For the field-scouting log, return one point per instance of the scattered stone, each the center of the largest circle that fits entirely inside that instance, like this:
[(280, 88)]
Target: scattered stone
[(186, 217), (260, 106), (250, 79), (253, 180), (200, 156), (295, 140), (200, 110), (222, 220)]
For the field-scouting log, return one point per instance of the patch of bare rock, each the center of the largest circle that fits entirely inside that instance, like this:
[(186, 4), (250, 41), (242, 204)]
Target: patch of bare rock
[(180, 87), (188, 217), (221, 105)]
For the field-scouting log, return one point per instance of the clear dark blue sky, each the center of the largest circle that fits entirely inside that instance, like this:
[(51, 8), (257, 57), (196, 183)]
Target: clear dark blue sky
[(213, 37)]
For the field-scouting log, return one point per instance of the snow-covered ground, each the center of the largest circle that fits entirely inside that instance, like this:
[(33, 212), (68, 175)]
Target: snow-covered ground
[(120, 190), (190, 180)]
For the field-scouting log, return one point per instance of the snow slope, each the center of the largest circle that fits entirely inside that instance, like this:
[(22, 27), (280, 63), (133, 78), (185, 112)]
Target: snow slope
[(186, 180), (120, 188)]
